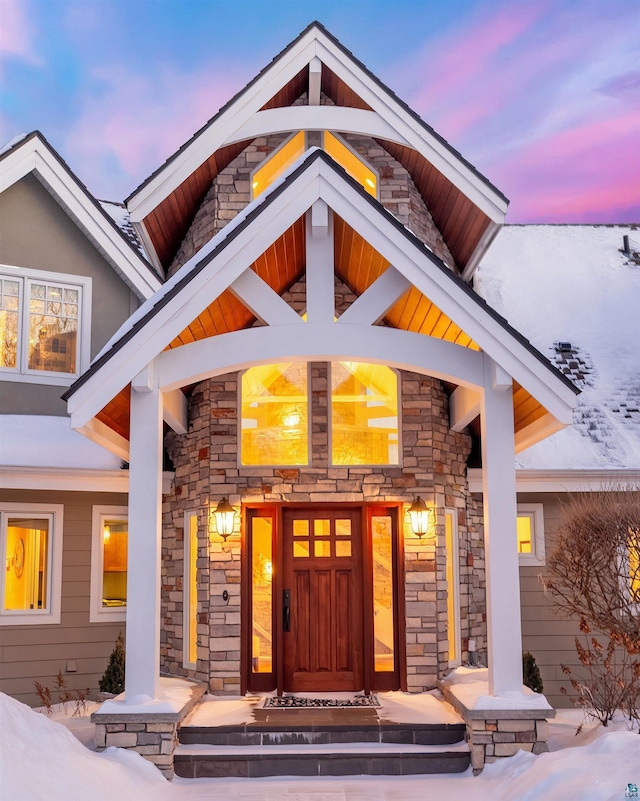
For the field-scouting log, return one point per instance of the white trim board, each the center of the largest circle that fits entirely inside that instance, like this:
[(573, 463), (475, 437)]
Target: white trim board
[(72, 479), (565, 480)]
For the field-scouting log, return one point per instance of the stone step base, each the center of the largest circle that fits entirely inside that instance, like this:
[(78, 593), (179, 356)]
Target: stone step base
[(273, 735), (202, 761)]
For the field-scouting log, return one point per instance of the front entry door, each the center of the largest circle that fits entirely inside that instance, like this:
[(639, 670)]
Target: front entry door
[(323, 628)]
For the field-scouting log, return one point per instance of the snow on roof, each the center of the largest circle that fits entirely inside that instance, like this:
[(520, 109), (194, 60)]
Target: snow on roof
[(40, 442), (576, 296), (120, 216)]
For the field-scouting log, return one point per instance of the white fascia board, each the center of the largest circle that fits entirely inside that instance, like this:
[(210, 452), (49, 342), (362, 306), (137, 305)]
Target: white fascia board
[(540, 429), (464, 407), (492, 230), (149, 196), (417, 137), (454, 301), (317, 118), (72, 480), (35, 157), (322, 341), (208, 284), (555, 481)]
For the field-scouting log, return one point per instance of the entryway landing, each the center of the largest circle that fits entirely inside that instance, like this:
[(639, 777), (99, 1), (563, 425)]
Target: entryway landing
[(405, 734)]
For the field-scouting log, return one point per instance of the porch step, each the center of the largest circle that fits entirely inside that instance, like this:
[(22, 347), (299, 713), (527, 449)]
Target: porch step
[(258, 750)]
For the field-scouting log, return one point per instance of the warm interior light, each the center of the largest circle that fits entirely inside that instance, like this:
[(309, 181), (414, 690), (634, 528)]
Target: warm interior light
[(420, 516), (292, 419), (106, 534), (224, 514)]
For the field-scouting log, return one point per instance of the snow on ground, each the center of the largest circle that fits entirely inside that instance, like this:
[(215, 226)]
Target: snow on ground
[(173, 695), (40, 760), (571, 283)]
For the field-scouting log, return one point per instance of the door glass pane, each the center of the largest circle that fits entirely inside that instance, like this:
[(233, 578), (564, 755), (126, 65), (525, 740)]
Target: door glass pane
[(192, 633), (262, 593), (322, 548), (300, 528), (343, 548), (322, 528), (382, 545), (301, 548), (453, 616), (27, 561), (114, 563), (343, 528), (364, 414)]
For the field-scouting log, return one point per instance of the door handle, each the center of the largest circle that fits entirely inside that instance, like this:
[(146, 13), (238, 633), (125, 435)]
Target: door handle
[(286, 610)]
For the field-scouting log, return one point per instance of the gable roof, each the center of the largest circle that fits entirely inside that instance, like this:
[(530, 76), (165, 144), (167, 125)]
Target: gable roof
[(164, 204), (154, 327), (33, 154), (589, 294)]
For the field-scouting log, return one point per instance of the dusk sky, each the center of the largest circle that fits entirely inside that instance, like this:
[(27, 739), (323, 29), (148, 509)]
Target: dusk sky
[(542, 96)]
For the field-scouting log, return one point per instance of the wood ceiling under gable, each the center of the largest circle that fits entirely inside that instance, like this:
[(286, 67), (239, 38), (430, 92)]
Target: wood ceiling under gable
[(357, 265)]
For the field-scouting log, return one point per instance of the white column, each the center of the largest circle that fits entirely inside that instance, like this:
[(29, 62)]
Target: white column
[(500, 539), (321, 302), (145, 527)]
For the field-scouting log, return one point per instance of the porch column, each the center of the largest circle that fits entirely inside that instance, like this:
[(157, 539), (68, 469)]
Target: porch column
[(500, 538), (145, 527)]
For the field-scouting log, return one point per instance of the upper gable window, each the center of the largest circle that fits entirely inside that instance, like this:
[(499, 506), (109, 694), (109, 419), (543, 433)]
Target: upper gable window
[(364, 414), (44, 325), (290, 150), (279, 161), (351, 161)]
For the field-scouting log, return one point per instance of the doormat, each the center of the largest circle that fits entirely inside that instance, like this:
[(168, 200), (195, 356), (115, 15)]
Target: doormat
[(294, 702)]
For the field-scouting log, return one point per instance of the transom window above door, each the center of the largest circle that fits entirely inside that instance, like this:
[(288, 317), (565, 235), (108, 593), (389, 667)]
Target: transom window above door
[(362, 415)]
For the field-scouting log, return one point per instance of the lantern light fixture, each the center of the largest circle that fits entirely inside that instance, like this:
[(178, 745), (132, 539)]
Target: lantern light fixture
[(224, 514), (422, 518)]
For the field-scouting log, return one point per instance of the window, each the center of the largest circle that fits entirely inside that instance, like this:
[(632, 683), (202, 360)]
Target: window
[(453, 586), (530, 534), (283, 157), (44, 325), (30, 584), (190, 591), (364, 414), (275, 415), (109, 563)]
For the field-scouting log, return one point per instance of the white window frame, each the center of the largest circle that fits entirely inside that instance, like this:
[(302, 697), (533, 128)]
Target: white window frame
[(54, 513), (98, 613), (454, 556), (535, 511), (186, 590), (27, 277)]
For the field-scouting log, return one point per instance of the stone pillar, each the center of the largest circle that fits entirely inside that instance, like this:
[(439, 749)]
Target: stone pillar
[(500, 515)]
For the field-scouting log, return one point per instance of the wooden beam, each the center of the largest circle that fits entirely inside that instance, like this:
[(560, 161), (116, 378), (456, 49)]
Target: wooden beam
[(373, 304), (464, 407), (321, 303), (262, 301), (315, 76), (175, 411), (104, 436)]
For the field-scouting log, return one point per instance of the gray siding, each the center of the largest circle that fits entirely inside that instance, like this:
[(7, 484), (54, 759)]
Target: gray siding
[(548, 635), (37, 653), (36, 233)]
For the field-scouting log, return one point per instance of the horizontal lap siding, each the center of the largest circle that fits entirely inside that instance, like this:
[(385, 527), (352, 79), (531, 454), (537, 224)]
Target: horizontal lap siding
[(37, 653), (547, 635)]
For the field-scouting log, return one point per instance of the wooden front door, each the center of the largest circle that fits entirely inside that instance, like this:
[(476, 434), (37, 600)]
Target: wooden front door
[(322, 604)]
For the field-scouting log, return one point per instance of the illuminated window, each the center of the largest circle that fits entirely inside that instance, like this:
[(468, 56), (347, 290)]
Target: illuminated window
[(275, 417), (383, 603), (262, 595), (44, 319), (453, 587), (109, 563), (364, 414), (190, 591), (31, 542), (352, 163), (530, 532), (279, 161)]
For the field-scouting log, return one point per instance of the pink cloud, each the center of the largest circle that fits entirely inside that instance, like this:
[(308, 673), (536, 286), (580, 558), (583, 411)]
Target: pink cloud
[(17, 36), (133, 123)]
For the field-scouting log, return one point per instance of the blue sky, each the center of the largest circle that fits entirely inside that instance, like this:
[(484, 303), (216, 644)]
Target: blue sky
[(542, 96)]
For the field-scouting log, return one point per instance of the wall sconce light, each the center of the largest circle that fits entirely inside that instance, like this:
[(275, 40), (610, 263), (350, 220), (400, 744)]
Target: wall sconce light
[(422, 518), (224, 514)]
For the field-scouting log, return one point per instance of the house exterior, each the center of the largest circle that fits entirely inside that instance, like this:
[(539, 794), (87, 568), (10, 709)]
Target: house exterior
[(309, 344)]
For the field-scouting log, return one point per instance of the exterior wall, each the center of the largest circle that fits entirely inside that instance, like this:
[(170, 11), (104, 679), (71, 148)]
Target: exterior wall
[(32, 653), (206, 465), (549, 636), (36, 233)]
